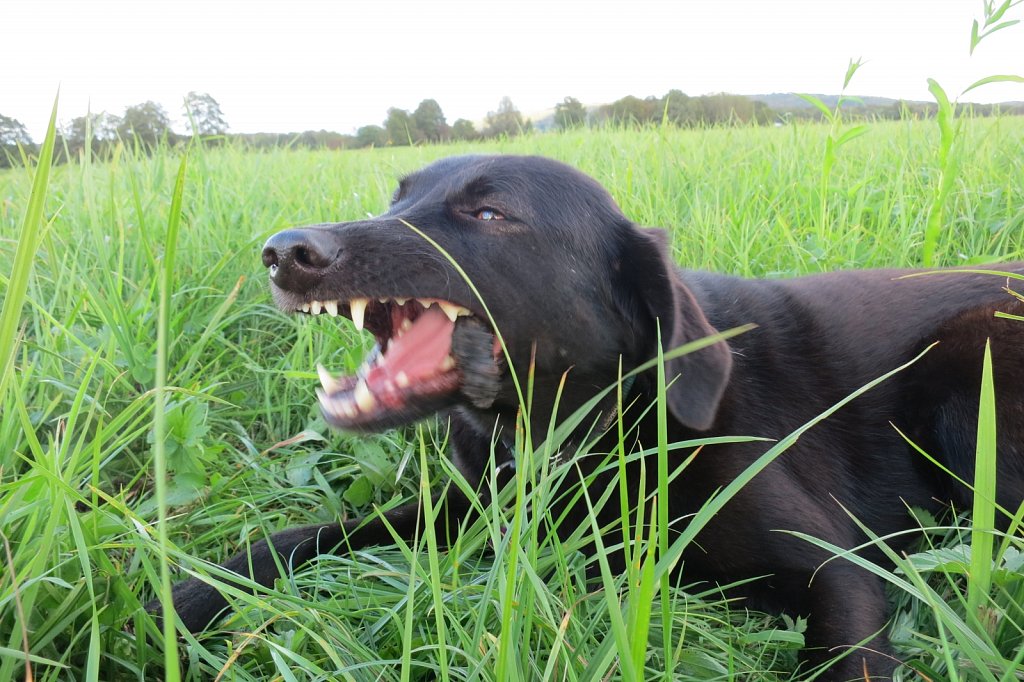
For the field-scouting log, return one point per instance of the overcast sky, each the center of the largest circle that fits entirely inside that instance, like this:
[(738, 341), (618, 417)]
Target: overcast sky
[(294, 65)]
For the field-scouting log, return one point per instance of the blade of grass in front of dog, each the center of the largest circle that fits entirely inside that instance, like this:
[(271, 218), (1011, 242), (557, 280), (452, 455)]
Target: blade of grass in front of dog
[(621, 635), (983, 527), (28, 242), (662, 505), (160, 425), (429, 517)]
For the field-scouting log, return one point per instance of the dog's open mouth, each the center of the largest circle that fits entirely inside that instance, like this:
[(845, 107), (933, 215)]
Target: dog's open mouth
[(430, 354)]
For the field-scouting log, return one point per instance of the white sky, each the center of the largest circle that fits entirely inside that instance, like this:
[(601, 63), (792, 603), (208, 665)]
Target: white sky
[(293, 65)]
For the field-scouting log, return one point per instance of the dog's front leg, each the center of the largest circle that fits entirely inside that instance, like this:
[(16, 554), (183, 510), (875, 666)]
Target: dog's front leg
[(198, 604), (848, 607)]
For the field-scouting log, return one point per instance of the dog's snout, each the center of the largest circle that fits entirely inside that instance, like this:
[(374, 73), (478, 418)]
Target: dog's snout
[(297, 258)]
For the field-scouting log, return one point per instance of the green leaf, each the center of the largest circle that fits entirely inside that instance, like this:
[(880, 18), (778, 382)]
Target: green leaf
[(1003, 78), (851, 134), (817, 103), (359, 493), (850, 70), (377, 466)]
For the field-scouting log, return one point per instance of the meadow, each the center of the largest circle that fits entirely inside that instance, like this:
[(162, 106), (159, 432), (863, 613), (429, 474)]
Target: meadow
[(245, 451)]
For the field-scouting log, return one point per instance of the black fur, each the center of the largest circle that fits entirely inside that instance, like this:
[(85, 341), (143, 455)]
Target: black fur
[(576, 286)]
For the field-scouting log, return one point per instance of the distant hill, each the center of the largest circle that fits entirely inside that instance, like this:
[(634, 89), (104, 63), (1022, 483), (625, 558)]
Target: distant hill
[(788, 101)]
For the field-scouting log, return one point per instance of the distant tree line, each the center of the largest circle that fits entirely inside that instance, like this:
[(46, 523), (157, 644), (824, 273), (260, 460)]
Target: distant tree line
[(147, 125), (143, 126)]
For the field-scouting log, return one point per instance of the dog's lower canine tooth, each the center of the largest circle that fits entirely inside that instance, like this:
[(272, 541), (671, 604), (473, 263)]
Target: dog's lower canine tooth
[(330, 384), (402, 379), (448, 363), (364, 399), (331, 307), (357, 307)]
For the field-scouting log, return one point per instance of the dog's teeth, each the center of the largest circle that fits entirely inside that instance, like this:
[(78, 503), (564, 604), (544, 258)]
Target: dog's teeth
[(314, 307), (401, 301), (326, 403), (364, 399), (330, 384), (402, 379), (331, 307), (357, 306), (405, 326), (449, 309), (448, 363), (305, 308)]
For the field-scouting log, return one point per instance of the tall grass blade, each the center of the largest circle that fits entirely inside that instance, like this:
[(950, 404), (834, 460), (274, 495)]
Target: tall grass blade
[(160, 422), (28, 242), (983, 530)]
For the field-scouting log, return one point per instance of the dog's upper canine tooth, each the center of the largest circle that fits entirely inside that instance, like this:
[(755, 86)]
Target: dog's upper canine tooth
[(331, 307), (449, 309), (357, 307)]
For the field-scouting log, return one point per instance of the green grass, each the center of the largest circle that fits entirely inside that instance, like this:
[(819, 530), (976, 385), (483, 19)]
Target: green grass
[(246, 452)]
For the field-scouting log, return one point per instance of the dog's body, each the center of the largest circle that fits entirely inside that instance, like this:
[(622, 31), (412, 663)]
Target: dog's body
[(573, 288)]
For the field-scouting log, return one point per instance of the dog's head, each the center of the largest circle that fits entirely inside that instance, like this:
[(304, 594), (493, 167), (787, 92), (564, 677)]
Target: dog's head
[(485, 265)]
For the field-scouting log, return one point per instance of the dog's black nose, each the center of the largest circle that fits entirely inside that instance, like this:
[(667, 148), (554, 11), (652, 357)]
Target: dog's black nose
[(298, 257)]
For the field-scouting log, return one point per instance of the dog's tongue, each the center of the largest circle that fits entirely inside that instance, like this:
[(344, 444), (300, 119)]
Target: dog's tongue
[(421, 351)]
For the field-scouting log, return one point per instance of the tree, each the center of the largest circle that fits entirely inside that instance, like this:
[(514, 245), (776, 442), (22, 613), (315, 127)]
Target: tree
[(632, 110), (101, 128), (371, 136), (677, 108), (204, 114), (506, 121), (464, 129), (145, 123), (429, 121), (13, 134), (401, 128), (570, 113)]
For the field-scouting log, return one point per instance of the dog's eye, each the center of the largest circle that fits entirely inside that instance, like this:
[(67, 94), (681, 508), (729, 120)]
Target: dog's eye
[(488, 214)]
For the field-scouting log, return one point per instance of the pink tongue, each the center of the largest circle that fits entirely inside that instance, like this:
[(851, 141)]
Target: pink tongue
[(420, 350)]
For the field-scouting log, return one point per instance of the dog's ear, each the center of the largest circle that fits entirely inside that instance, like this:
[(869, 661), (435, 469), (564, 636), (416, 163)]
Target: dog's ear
[(699, 377)]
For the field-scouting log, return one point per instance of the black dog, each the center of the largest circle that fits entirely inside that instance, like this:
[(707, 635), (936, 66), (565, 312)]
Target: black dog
[(575, 288)]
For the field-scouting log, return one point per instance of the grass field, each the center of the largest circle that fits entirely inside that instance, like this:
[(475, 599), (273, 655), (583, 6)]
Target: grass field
[(247, 453)]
